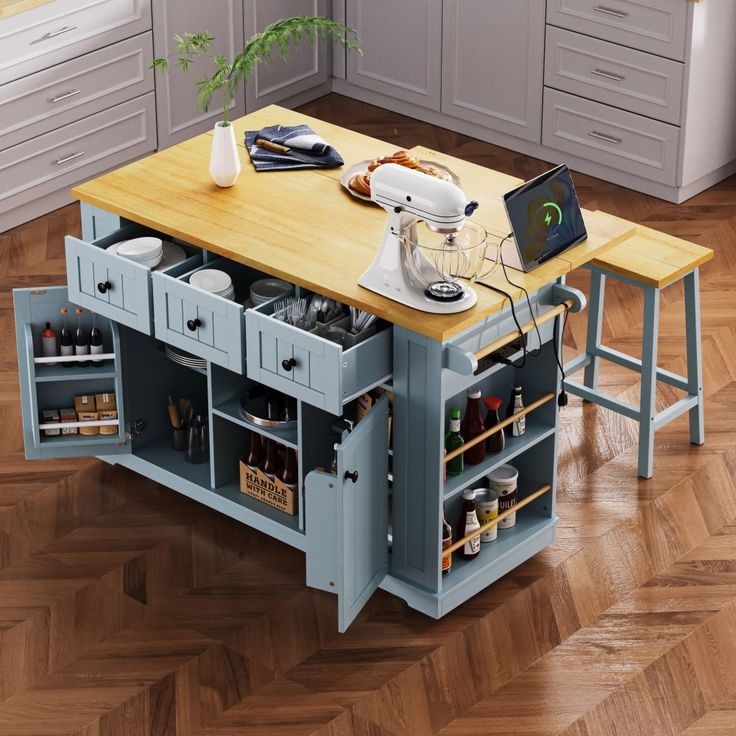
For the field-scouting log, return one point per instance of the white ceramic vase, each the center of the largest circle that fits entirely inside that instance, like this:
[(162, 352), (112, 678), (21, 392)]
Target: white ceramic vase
[(224, 159)]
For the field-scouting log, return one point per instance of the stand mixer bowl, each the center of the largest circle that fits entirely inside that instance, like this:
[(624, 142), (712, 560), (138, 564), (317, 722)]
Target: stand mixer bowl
[(436, 261)]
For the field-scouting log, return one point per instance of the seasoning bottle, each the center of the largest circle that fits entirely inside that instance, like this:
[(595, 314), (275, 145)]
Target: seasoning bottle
[(253, 458), (270, 463), (467, 523), (497, 441), (66, 341), (471, 427), (333, 464), (48, 344), (446, 542), (95, 343), (516, 404), (453, 440), (290, 472), (81, 341)]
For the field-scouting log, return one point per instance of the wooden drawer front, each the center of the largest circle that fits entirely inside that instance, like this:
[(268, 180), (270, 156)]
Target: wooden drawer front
[(324, 374), (656, 26), (65, 29), (77, 151), (638, 82), (41, 102), (611, 137)]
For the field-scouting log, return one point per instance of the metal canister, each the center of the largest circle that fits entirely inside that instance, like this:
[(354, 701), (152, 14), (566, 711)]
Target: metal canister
[(503, 480), (486, 503)]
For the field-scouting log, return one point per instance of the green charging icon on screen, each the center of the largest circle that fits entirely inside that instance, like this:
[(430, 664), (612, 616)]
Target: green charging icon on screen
[(552, 212)]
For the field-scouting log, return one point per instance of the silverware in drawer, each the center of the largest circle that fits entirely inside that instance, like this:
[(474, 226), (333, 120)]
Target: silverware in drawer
[(615, 75)]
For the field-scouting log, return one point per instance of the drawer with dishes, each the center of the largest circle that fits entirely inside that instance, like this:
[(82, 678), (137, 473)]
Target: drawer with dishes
[(201, 309), (112, 275), (656, 26), (315, 349)]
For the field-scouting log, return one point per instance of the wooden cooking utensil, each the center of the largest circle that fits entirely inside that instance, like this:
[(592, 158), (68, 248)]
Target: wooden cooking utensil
[(174, 417)]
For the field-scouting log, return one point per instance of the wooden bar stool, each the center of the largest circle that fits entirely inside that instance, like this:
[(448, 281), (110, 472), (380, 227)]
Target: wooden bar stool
[(651, 261)]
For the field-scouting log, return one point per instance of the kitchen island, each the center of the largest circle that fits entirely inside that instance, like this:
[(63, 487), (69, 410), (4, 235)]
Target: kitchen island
[(357, 532)]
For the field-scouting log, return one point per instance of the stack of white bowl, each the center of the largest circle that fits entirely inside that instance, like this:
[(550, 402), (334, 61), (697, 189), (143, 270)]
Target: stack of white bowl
[(145, 251), (214, 281), (264, 290)]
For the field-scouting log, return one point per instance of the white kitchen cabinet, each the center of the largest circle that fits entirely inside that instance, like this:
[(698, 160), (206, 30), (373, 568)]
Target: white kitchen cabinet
[(493, 64), (307, 71), (179, 116), (402, 49)]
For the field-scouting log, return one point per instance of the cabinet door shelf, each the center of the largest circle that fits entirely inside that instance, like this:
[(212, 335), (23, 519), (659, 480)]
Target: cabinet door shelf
[(230, 410), (48, 373), (83, 440)]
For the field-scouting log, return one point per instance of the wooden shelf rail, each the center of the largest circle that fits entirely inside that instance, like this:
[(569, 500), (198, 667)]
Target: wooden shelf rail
[(496, 427), (493, 522)]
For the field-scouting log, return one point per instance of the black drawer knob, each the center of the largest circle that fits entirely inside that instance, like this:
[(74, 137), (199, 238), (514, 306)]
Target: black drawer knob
[(288, 363), (104, 286), (352, 476), (194, 324)]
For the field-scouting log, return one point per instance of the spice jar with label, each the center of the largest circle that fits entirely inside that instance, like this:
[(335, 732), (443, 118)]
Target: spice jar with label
[(504, 480)]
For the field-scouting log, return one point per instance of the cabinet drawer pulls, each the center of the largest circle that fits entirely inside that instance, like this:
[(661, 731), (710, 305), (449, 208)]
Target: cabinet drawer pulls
[(608, 75), (194, 324), (65, 95), (351, 476), (60, 161), (288, 363), (610, 11), (104, 286), (606, 138), (53, 34)]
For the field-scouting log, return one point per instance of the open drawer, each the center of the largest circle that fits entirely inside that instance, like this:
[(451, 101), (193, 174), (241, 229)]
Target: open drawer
[(311, 368), (204, 324), (109, 284)]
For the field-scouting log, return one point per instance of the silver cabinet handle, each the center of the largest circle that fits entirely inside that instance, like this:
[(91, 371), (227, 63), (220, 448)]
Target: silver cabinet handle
[(65, 96), (53, 34), (606, 138), (69, 158), (610, 11), (608, 75)]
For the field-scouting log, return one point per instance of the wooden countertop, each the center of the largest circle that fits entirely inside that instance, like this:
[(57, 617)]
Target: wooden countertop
[(304, 227), (13, 7)]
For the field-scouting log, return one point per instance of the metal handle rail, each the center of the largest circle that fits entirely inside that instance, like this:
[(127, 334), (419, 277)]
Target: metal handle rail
[(493, 522), (496, 427)]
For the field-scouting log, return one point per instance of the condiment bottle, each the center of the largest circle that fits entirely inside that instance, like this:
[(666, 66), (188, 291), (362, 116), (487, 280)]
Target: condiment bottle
[(446, 542), (497, 441), (270, 463), (471, 427), (81, 341), (516, 404), (253, 458), (48, 344), (467, 523), (289, 474), (95, 342), (453, 440), (66, 341)]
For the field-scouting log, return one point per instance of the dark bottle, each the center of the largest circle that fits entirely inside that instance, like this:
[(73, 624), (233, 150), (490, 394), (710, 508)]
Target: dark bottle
[(81, 340), (271, 461), (290, 472), (66, 340), (516, 404), (48, 344), (253, 458), (446, 542), (95, 343), (497, 441), (471, 427), (468, 522), (453, 440)]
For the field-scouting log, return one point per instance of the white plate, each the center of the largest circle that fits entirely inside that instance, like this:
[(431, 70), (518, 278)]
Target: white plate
[(140, 249), (357, 168), (265, 289), (211, 279), (173, 253)]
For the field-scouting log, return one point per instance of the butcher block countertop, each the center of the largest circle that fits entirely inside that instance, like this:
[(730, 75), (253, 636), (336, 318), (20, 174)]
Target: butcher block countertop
[(12, 7), (304, 227)]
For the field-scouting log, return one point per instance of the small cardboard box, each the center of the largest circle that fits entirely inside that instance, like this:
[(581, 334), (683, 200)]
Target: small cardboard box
[(105, 402), (68, 415), (88, 416), (50, 416), (271, 491), (108, 428), (84, 404)]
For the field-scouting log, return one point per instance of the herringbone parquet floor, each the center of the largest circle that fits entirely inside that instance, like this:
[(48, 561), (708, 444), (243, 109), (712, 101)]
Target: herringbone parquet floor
[(127, 610)]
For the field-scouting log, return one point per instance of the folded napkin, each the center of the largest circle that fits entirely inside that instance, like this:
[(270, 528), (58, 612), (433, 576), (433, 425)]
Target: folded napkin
[(312, 151)]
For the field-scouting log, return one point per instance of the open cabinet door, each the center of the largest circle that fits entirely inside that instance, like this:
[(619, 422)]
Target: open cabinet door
[(48, 383), (347, 518)]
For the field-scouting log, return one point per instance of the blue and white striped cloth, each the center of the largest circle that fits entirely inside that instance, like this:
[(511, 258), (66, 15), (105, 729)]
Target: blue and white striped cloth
[(299, 137)]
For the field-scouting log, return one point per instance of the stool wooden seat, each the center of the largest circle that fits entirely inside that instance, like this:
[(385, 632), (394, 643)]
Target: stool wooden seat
[(650, 260)]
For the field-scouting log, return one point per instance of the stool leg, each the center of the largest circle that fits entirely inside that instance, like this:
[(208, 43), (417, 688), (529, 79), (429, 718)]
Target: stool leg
[(648, 402), (694, 366), (595, 323)]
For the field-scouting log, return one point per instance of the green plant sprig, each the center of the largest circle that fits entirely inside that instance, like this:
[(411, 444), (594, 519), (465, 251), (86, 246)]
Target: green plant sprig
[(228, 76)]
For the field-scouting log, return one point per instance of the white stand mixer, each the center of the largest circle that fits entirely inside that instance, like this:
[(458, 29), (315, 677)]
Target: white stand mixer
[(400, 271)]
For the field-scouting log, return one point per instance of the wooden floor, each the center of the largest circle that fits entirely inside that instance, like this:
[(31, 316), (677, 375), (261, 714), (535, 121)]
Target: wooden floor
[(127, 610)]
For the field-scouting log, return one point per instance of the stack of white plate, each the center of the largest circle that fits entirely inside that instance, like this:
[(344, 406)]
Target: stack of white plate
[(183, 358), (214, 281), (145, 251), (172, 253), (264, 290)]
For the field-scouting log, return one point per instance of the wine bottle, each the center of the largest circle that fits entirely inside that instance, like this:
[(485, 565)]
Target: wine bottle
[(453, 440), (95, 343), (81, 340), (66, 341), (48, 344)]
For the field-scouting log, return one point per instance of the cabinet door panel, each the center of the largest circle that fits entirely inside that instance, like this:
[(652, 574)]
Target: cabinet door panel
[(176, 91), (493, 58), (402, 49), (307, 67)]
